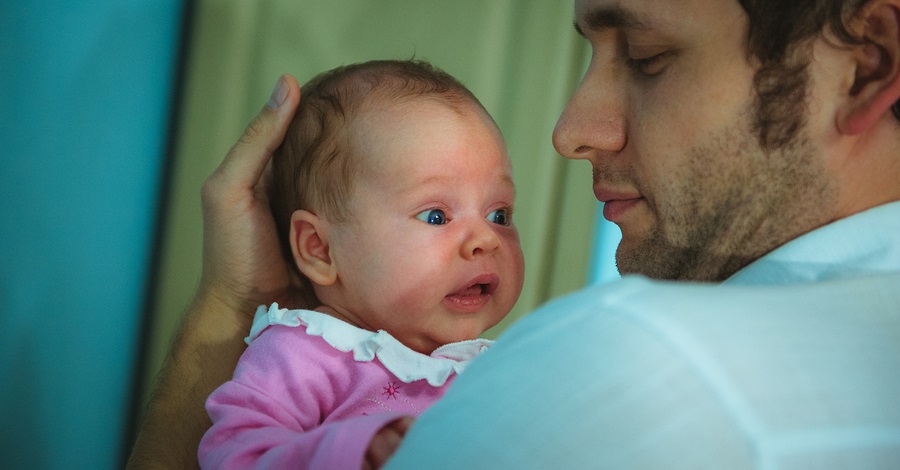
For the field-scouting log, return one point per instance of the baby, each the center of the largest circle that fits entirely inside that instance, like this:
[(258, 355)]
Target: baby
[(393, 194)]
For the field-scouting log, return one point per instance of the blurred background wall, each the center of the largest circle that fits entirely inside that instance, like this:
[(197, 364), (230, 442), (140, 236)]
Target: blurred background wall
[(108, 139)]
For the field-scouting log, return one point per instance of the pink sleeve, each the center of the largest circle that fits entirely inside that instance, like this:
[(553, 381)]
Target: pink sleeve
[(268, 416), (245, 441)]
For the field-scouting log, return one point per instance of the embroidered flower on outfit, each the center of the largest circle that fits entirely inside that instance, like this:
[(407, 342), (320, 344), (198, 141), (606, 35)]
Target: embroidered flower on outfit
[(392, 390)]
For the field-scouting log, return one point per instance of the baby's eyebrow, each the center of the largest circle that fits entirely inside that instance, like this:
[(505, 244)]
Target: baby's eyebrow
[(602, 18), (509, 179)]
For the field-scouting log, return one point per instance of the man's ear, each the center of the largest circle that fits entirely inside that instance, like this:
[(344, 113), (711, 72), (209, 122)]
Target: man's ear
[(877, 84), (309, 245)]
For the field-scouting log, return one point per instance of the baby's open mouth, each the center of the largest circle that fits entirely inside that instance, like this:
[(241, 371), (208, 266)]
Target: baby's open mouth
[(477, 289), (485, 284)]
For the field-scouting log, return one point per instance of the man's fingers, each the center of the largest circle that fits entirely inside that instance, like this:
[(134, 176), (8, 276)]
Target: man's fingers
[(402, 425), (386, 442), (382, 447), (246, 161)]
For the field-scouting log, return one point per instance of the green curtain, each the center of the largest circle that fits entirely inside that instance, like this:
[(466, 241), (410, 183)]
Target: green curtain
[(522, 59)]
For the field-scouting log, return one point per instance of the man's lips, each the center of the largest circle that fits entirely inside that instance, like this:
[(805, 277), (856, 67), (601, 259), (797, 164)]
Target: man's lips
[(616, 204)]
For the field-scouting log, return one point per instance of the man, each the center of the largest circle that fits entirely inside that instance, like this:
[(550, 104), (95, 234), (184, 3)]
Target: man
[(748, 142)]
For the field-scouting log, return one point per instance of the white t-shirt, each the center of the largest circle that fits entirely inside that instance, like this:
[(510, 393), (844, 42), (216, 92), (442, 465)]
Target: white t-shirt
[(794, 362)]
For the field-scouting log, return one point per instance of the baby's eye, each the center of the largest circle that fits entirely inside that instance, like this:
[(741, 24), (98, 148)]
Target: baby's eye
[(433, 217), (499, 216)]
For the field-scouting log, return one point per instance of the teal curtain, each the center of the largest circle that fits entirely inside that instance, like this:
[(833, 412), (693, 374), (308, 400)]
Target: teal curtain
[(84, 104)]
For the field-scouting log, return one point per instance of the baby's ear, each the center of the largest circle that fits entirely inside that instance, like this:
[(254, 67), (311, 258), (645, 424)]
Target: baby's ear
[(877, 84), (309, 245)]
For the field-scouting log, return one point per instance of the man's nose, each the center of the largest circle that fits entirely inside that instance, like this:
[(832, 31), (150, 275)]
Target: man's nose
[(593, 122)]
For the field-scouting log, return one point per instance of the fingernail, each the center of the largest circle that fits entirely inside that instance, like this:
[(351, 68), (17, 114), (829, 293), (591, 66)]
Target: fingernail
[(278, 94)]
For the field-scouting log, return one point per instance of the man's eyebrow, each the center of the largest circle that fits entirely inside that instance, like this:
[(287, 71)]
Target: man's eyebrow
[(602, 18)]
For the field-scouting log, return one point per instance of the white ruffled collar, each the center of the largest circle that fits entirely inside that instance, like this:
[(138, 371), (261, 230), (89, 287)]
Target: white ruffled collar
[(406, 364)]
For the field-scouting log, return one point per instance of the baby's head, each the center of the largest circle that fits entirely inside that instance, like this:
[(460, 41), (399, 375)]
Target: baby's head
[(393, 195)]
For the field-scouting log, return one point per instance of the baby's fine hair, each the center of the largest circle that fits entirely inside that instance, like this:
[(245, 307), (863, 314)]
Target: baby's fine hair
[(314, 167)]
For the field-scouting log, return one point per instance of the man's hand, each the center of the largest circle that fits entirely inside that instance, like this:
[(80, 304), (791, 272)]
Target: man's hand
[(242, 262), (242, 268), (386, 442)]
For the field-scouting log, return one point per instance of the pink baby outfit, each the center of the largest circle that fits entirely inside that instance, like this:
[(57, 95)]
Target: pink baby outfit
[(311, 391)]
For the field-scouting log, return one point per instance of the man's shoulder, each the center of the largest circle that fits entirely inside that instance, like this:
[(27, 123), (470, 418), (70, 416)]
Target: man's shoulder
[(648, 301)]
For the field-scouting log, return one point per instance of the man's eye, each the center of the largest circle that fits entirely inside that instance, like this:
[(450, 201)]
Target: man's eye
[(649, 66), (499, 216), (433, 217)]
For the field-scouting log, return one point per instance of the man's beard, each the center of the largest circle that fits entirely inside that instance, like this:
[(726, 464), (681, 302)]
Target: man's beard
[(747, 189)]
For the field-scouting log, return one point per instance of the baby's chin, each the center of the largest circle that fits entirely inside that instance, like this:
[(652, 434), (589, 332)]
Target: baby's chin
[(460, 336)]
